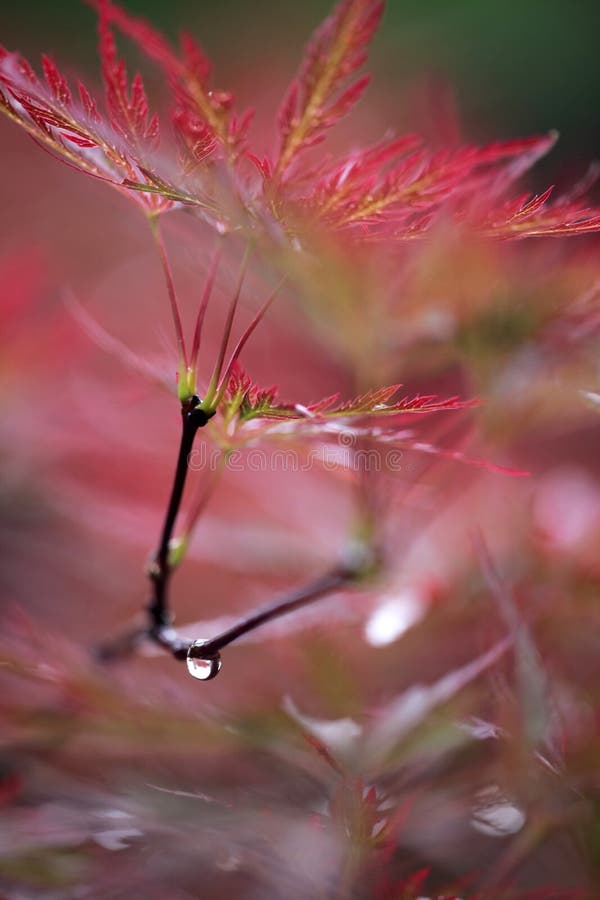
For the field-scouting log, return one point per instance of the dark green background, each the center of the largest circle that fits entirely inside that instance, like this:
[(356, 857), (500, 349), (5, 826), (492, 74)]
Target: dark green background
[(518, 66)]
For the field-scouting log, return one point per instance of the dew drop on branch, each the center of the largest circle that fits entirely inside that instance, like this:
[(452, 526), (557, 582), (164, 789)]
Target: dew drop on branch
[(200, 664)]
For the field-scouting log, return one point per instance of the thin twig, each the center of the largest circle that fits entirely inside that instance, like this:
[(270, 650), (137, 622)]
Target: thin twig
[(166, 267), (301, 597), (339, 577), (210, 280), (216, 376), (244, 339), (159, 571)]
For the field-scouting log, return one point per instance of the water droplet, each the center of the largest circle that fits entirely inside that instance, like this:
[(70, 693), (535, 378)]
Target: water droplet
[(200, 664)]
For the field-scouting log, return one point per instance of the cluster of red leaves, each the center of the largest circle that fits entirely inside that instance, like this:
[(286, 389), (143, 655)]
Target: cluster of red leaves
[(396, 190), (320, 95), (250, 402), (116, 149), (204, 118), (249, 414), (128, 107)]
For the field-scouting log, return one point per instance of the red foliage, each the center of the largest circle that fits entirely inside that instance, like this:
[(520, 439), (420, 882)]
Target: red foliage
[(251, 402), (395, 190), (73, 130), (406, 746), (127, 106), (320, 95)]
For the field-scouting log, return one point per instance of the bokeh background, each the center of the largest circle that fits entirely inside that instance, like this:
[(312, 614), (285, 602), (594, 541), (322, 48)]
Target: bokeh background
[(356, 750)]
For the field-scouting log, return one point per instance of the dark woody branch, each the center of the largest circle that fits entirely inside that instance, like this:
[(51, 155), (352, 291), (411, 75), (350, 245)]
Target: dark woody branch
[(203, 656), (159, 571)]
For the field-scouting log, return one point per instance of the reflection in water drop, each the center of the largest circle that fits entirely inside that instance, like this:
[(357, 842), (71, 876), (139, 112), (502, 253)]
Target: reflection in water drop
[(199, 664)]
